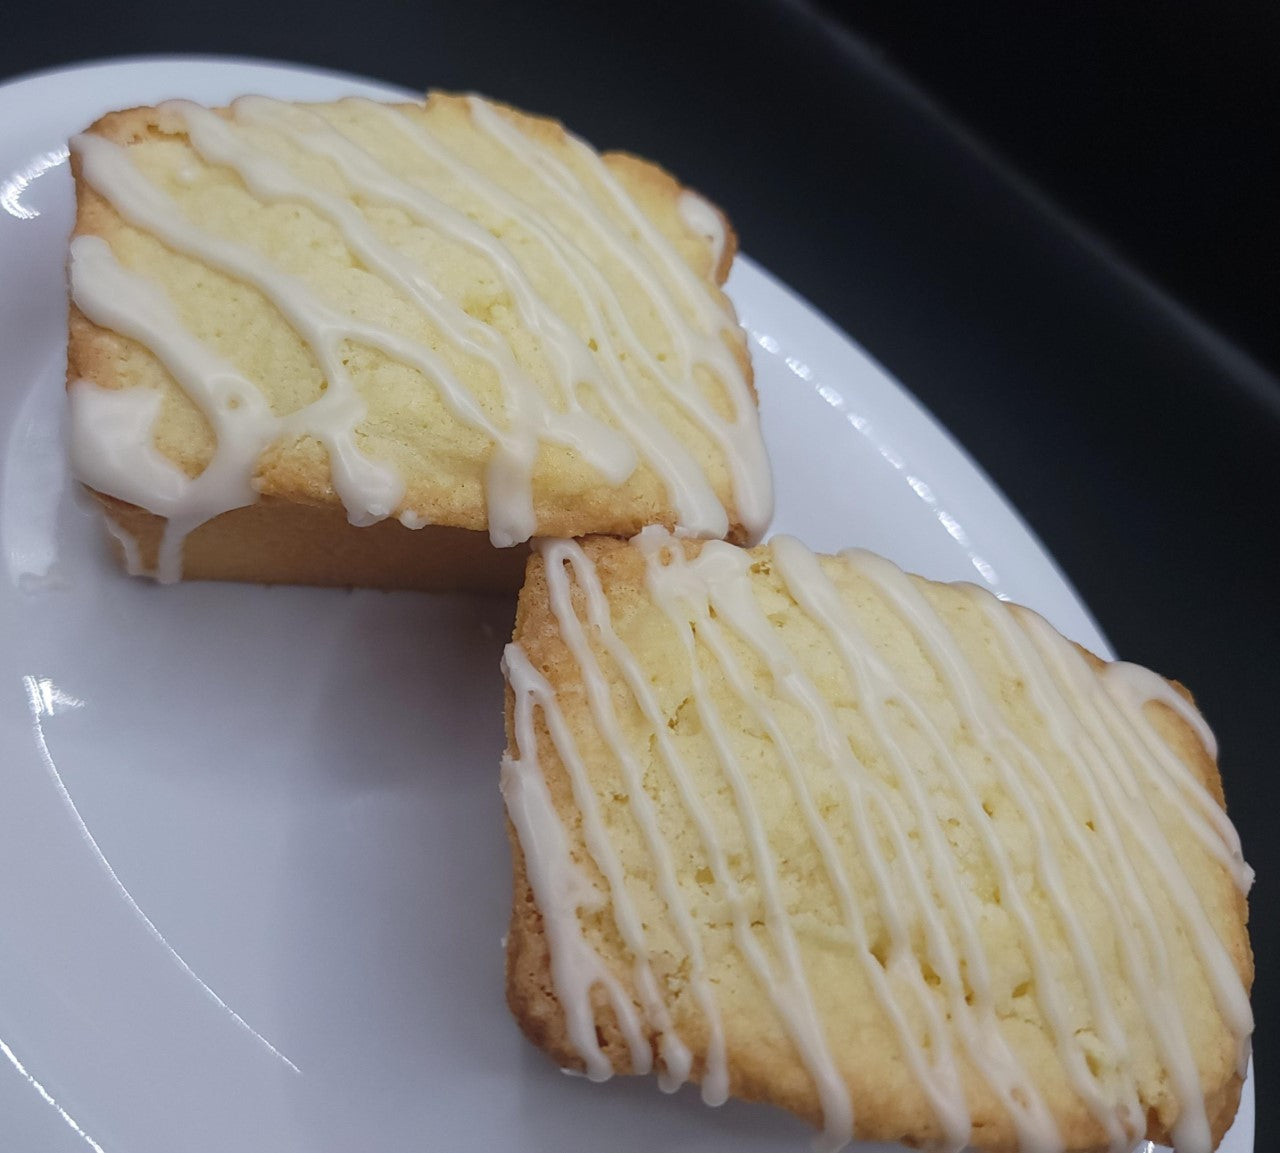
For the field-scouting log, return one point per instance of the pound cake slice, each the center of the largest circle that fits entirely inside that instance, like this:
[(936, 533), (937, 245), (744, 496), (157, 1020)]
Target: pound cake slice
[(891, 854), (451, 321)]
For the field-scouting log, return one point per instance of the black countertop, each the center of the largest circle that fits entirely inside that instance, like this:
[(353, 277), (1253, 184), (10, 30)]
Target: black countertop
[(1138, 443)]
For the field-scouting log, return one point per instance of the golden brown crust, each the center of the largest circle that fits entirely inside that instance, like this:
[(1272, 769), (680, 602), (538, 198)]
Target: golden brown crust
[(759, 1069)]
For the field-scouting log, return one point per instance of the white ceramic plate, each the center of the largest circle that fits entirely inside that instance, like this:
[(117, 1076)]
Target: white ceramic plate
[(253, 875)]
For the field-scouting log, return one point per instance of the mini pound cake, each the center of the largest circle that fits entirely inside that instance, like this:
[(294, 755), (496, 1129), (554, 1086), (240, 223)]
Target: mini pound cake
[(891, 854), (368, 344)]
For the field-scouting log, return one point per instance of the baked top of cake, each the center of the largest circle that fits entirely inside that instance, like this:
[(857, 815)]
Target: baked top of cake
[(888, 853), (451, 313)]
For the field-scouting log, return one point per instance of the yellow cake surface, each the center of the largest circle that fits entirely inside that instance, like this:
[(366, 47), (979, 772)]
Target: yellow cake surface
[(454, 316), (891, 854)]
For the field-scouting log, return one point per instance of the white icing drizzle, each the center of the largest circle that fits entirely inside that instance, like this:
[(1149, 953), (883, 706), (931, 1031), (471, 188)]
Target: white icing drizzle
[(1137, 686), (698, 216), (705, 346), (679, 597), (1142, 685), (559, 888), (1065, 690), (120, 459), (984, 721), (1114, 759), (963, 972), (676, 1056), (111, 436), (371, 490), (528, 420), (700, 512), (570, 358), (1112, 730), (128, 547), (1060, 665)]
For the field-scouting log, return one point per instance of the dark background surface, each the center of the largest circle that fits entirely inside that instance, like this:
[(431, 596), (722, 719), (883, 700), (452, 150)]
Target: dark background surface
[(1120, 410), (1154, 123)]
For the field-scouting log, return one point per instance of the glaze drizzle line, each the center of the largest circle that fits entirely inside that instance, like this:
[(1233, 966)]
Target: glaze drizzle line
[(1114, 758)]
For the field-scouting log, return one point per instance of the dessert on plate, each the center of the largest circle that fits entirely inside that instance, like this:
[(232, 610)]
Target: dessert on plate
[(891, 854), (368, 344)]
